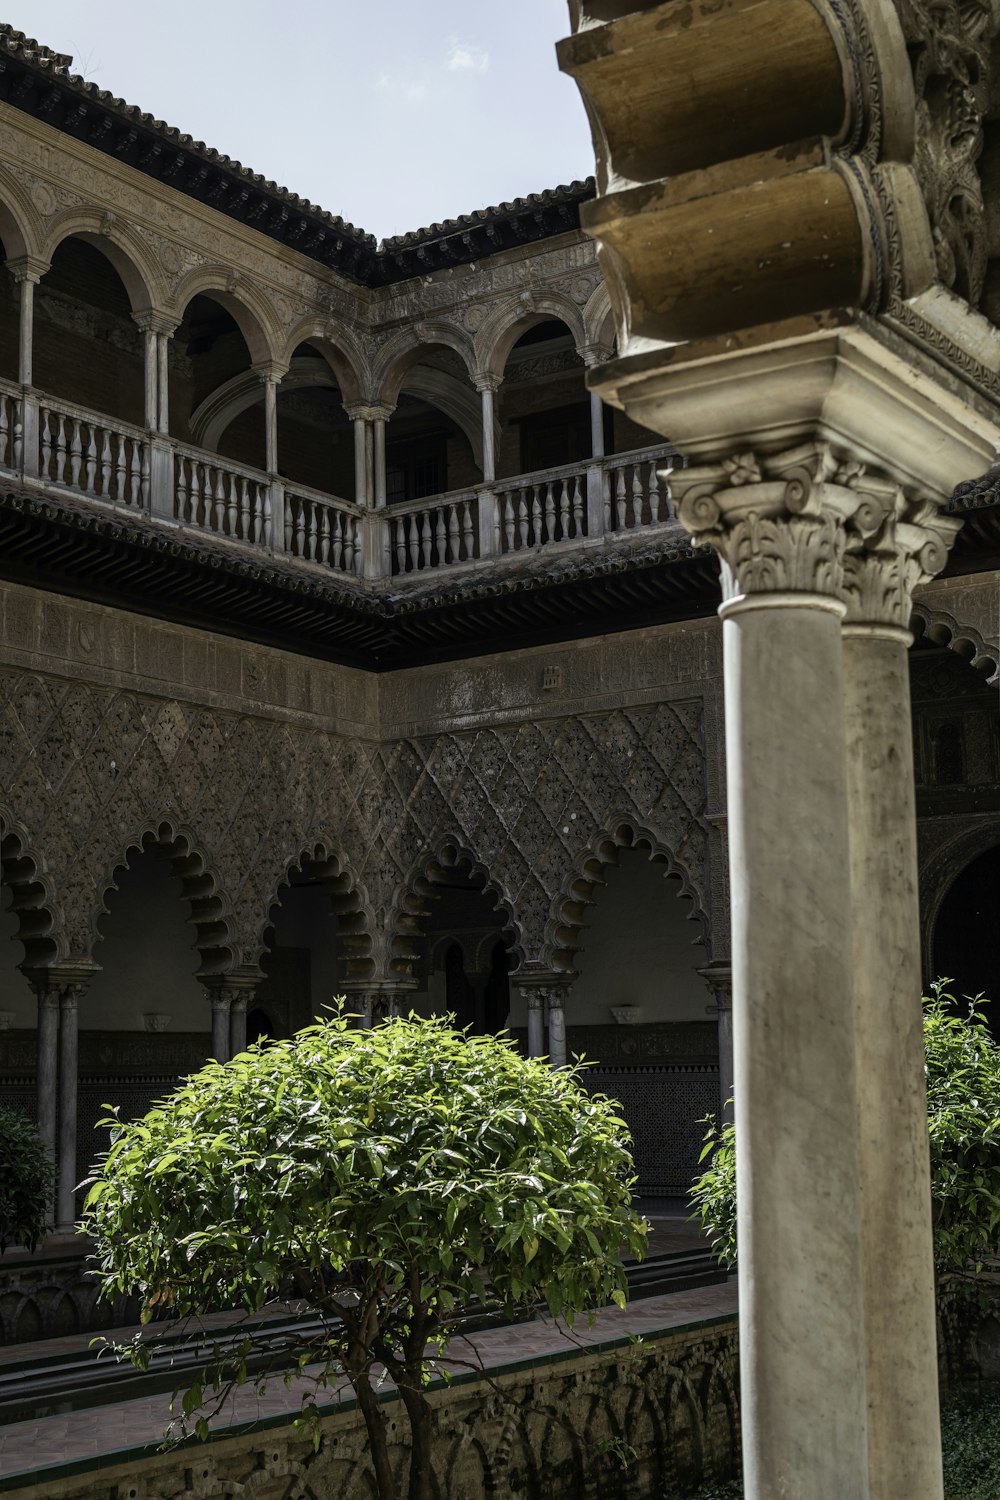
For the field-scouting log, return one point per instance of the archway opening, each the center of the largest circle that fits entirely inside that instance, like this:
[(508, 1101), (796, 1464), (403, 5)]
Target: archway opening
[(544, 408), (10, 326), (964, 946), (464, 956), (315, 441), (87, 346), (641, 1010), (434, 437), (304, 963), (208, 351)]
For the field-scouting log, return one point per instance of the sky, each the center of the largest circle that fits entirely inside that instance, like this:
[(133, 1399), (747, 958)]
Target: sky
[(394, 114)]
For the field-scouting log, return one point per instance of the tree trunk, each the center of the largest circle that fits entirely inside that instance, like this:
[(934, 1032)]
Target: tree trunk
[(372, 1411), (421, 1443)]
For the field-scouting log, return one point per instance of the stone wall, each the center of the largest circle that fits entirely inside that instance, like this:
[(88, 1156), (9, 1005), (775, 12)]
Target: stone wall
[(546, 1432)]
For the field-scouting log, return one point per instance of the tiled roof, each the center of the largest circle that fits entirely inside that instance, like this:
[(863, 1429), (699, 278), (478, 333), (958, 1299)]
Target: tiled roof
[(39, 81)]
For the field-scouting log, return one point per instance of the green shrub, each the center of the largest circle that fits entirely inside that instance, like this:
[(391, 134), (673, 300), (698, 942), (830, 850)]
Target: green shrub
[(970, 1439), (963, 1113), (26, 1181)]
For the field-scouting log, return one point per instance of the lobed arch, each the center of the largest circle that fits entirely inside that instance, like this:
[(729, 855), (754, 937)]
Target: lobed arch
[(569, 907), (118, 243), (21, 227), (34, 904), (944, 630), (411, 904), (502, 329), (190, 864), (348, 903), (340, 350), (249, 308), (404, 350)]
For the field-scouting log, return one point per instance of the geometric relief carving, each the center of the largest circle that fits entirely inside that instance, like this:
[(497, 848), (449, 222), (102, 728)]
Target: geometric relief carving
[(88, 771)]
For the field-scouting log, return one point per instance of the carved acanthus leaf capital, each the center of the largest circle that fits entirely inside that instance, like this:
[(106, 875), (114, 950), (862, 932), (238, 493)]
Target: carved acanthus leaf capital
[(884, 562)]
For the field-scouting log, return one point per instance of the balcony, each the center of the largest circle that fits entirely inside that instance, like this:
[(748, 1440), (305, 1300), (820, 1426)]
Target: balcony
[(63, 449)]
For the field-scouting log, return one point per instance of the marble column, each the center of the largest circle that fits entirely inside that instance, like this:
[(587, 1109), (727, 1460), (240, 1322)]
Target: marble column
[(59, 992), (239, 1001), (27, 279), (358, 416), (46, 1082), (220, 998), (69, 998), (779, 531), (150, 366), (900, 546), (271, 422), (536, 1023), (488, 385), (554, 998), (380, 416), (719, 979), (163, 381)]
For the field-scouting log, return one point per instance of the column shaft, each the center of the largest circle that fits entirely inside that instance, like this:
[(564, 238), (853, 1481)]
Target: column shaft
[(801, 1328), (536, 1025), (26, 330), (271, 423), (48, 1064), (596, 425), (378, 429), (557, 1030), (238, 1022), (360, 461), (904, 1445), (220, 1024), (68, 1053), (489, 446), (163, 383), (151, 359)]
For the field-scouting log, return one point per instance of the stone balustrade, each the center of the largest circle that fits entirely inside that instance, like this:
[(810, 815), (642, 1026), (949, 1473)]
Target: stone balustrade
[(67, 448)]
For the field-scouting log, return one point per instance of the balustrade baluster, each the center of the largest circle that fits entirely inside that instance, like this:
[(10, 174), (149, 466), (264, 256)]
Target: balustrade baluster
[(324, 536), (90, 472), (182, 498), (637, 495), (249, 520), (105, 467), (121, 469), (536, 518), (620, 501), (264, 497), (522, 517), (565, 508), (312, 546), (3, 431), (508, 521), (399, 543), (577, 507), (549, 493), (440, 539), (352, 552), (194, 494), (654, 494), (232, 521), (413, 532), (425, 539), (338, 539), (454, 534), (468, 531), (45, 441), (61, 451), (144, 460), (219, 507), (18, 434), (133, 478)]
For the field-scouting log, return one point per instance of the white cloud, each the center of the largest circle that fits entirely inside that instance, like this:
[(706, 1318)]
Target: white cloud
[(463, 57)]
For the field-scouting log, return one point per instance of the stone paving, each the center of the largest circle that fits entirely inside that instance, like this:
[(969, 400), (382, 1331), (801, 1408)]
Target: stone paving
[(77, 1436)]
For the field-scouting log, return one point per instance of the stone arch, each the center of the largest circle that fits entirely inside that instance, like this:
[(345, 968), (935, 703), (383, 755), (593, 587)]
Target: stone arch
[(599, 318), (400, 353), (504, 327), (23, 872), (940, 870), (567, 918), (249, 308), (339, 349), (21, 228), (119, 243), (411, 905), (190, 864), (348, 902), (944, 630)]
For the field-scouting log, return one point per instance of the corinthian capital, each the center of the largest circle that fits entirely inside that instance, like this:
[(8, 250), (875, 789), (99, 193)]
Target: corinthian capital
[(776, 521), (889, 552)]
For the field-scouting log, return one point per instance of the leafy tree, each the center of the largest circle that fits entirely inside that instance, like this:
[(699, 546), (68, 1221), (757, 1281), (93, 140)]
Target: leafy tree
[(27, 1178), (963, 1106), (391, 1178)]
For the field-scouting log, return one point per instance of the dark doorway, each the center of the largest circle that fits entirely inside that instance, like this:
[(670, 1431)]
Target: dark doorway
[(964, 947)]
